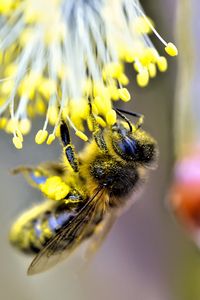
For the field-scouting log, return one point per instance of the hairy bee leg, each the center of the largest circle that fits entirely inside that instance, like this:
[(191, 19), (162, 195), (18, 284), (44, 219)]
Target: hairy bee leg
[(74, 198), (97, 132), (22, 169), (68, 147), (99, 139)]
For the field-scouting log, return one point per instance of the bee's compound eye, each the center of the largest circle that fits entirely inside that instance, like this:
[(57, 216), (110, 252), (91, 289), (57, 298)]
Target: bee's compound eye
[(126, 147), (133, 149)]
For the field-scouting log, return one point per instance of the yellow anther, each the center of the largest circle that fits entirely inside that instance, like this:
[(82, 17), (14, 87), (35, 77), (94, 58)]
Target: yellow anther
[(111, 117), (25, 126), (53, 115), (41, 136), (124, 94), (123, 79), (171, 49), (50, 139), (90, 124), (11, 125), (152, 54), (94, 109), (6, 6), (100, 121), (103, 104), (113, 92), (40, 106), (28, 85), (19, 134), (162, 63), (127, 54), (17, 142), (143, 78), (141, 26), (47, 87), (81, 135), (137, 66), (3, 122), (113, 70), (152, 70), (57, 132)]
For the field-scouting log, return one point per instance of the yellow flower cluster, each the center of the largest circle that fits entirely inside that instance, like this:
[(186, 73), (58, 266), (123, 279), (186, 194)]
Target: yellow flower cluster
[(55, 54)]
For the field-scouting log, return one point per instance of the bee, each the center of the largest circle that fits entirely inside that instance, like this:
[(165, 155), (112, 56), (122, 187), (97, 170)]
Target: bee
[(85, 192)]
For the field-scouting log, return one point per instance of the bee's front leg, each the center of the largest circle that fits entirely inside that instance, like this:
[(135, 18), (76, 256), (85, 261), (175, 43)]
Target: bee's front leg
[(68, 147)]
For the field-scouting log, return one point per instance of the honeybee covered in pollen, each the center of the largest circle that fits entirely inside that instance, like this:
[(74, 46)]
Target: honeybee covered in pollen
[(86, 192)]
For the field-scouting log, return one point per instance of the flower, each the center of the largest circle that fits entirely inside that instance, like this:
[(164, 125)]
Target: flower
[(55, 54)]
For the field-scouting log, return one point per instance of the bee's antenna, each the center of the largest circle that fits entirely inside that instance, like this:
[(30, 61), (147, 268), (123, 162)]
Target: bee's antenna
[(124, 118), (133, 114)]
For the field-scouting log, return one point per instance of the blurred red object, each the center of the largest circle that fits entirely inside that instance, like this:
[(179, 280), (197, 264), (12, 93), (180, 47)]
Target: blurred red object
[(185, 193)]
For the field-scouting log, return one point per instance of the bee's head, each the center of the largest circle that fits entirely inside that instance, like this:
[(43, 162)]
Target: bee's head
[(134, 145)]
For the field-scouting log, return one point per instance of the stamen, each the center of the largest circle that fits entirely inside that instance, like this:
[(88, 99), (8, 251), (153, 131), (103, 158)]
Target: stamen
[(111, 117), (56, 54), (170, 48), (41, 136), (17, 142)]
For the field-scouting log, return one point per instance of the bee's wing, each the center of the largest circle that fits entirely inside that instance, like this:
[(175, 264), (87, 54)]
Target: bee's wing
[(100, 234), (69, 237)]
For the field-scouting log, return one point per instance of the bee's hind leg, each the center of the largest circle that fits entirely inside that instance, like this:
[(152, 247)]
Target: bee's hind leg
[(68, 147)]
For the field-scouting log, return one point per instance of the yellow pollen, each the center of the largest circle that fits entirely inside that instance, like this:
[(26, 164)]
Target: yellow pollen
[(143, 78), (11, 125), (111, 117), (81, 135), (6, 6), (140, 25), (53, 115), (162, 64), (57, 132), (152, 70), (3, 122), (124, 94), (55, 188), (17, 142), (50, 139), (19, 134), (90, 124), (123, 79), (171, 49), (41, 136), (100, 121), (25, 126)]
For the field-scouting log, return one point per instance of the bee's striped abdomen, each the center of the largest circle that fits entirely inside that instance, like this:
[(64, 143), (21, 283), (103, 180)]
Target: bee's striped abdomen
[(37, 226)]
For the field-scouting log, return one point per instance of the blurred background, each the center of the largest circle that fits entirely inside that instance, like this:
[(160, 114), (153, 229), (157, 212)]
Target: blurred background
[(147, 255)]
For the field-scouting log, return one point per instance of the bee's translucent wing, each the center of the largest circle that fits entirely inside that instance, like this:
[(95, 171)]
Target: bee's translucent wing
[(100, 234), (69, 237)]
